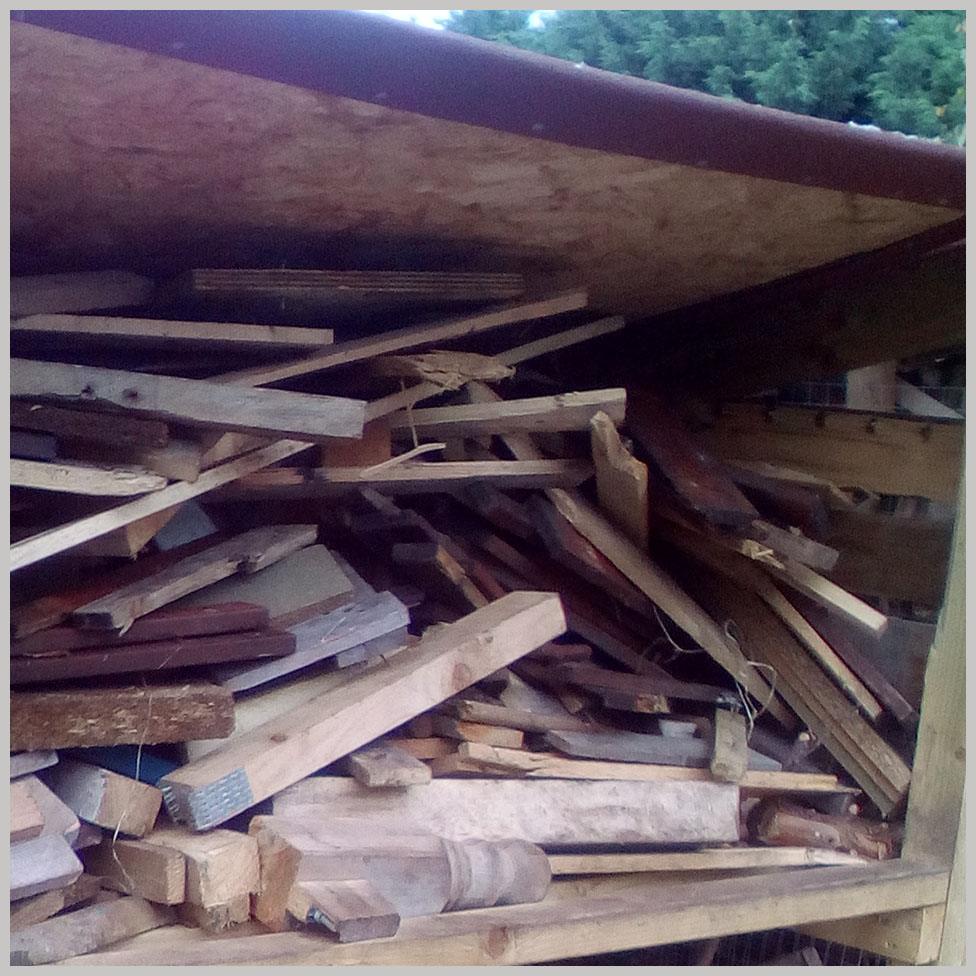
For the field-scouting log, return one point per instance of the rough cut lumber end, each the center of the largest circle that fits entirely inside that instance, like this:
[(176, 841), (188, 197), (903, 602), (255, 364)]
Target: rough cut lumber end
[(136, 867), (104, 798), (384, 764), (353, 909), (730, 755)]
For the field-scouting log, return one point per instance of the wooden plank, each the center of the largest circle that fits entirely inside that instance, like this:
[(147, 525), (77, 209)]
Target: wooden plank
[(803, 506), (372, 448), (42, 864), (719, 858), (385, 764), (179, 459), (621, 480), (198, 403), (322, 637), (936, 798), (284, 750), (449, 370), (548, 813), (85, 931), (491, 735), (560, 340), (104, 798), (221, 865), (650, 913), (26, 819), (663, 750), (848, 647), (872, 763), (408, 478), (145, 714), (247, 553), (79, 291), (344, 353), (83, 479), (301, 584), (353, 909), (179, 333), (540, 765), (890, 455), (116, 429), (29, 762), (136, 867), (701, 482), (730, 752), (830, 596), (662, 590), (58, 818), (565, 411), (163, 624), (38, 908), (794, 545), (183, 652), (53, 541), (513, 718)]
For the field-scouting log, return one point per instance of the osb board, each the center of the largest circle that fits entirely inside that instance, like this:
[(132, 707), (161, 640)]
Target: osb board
[(145, 152)]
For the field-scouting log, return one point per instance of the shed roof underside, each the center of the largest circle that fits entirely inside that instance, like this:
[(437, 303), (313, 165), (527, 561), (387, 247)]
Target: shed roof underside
[(125, 158)]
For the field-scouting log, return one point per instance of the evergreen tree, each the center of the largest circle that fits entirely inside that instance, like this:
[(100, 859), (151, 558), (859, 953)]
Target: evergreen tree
[(902, 70)]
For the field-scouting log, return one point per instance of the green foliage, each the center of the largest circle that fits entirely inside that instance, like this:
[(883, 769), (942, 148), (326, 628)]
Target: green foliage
[(902, 70)]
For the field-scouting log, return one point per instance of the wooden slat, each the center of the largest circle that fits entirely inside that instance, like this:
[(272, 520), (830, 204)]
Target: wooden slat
[(408, 478), (621, 480), (42, 864), (163, 624), (384, 764), (719, 858), (514, 718), (565, 411), (111, 716), (540, 765), (282, 751), (26, 819), (344, 353), (83, 479), (248, 553), (53, 541), (548, 813), (194, 402), (23, 763), (650, 913), (180, 333)]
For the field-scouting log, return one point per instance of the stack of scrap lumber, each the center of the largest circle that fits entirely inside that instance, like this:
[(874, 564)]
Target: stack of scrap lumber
[(314, 635)]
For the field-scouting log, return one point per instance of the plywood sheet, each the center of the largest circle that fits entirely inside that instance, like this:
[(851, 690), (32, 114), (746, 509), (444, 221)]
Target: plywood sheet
[(150, 154)]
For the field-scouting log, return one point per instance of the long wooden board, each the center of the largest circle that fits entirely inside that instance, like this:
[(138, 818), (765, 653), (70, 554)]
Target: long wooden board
[(565, 411), (207, 334), (344, 353), (83, 479), (621, 480), (719, 858), (408, 478), (53, 541), (113, 429), (42, 864), (490, 760), (143, 714), (256, 765), (198, 403), (547, 813)]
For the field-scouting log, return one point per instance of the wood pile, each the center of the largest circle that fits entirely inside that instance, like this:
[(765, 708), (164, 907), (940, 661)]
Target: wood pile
[(322, 635)]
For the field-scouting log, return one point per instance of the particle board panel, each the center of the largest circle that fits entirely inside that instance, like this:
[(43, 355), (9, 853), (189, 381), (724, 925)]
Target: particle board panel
[(205, 150)]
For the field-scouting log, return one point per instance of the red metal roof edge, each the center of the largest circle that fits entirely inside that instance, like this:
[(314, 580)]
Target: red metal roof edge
[(451, 76)]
